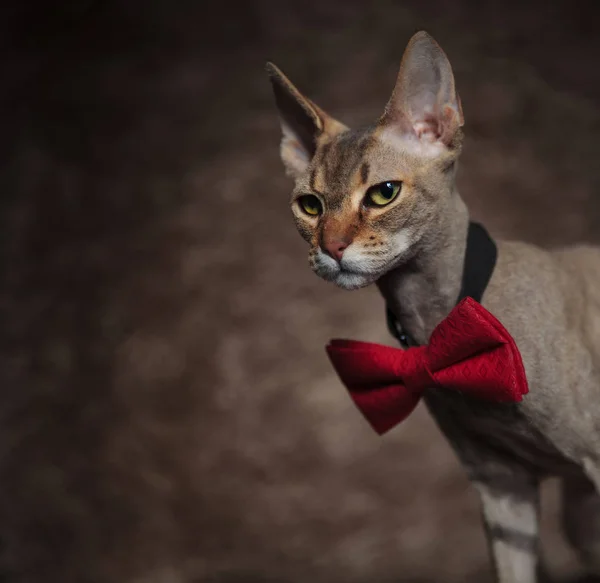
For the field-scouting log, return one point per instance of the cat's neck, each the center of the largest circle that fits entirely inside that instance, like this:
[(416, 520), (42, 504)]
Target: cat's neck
[(422, 293)]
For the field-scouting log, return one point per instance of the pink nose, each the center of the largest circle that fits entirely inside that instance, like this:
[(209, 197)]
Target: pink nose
[(335, 248)]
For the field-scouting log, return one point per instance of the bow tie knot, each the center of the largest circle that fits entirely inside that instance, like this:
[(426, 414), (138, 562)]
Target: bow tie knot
[(415, 371), (470, 352)]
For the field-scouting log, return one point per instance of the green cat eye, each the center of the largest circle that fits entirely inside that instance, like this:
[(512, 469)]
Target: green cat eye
[(310, 204), (382, 194)]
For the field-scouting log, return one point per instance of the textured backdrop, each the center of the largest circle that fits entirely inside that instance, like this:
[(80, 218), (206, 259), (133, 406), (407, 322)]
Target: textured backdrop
[(167, 412)]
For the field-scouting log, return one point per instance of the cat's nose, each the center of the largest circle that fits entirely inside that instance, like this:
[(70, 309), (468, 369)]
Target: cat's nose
[(336, 248)]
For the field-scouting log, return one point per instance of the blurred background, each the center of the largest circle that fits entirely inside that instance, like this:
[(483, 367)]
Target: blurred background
[(167, 412)]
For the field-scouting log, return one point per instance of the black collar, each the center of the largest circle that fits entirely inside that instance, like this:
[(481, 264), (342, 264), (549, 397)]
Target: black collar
[(480, 260)]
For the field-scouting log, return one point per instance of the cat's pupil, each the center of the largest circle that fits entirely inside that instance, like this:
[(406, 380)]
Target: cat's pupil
[(387, 190)]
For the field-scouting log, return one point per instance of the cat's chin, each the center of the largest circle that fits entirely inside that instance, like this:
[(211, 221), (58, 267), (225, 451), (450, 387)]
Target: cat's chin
[(351, 281), (329, 269)]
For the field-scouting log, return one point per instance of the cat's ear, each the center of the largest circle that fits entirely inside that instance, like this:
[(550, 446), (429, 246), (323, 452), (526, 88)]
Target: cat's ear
[(424, 102), (303, 123)]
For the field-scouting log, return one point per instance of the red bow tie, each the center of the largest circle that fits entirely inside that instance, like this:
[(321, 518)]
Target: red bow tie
[(470, 352)]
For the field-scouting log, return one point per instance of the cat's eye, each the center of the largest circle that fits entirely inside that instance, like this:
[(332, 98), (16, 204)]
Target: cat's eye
[(382, 194), (310, 204)]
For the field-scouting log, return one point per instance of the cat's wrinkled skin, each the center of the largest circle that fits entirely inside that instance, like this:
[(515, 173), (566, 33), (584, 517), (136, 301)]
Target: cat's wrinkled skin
[(413, 248)]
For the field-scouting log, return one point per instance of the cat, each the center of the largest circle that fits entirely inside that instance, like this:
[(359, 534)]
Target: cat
[(380, 206)]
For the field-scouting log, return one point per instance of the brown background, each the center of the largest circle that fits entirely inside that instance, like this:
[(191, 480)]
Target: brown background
[(167, 413)]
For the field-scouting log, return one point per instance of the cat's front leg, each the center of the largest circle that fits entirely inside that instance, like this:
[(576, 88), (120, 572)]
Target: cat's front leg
[(508, 490), (509, 504)]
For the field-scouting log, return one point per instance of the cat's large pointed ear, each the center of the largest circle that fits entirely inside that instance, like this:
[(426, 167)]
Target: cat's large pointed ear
[(424, 102), (303, 123)]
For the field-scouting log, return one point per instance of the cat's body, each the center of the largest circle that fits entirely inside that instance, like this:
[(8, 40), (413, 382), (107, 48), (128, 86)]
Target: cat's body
[(550, 303), (380, 205)]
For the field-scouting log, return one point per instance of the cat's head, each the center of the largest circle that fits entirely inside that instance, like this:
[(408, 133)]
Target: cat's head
[(365, 199)]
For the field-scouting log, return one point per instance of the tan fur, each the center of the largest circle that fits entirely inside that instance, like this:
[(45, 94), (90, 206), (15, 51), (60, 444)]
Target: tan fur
[(414, 248)]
